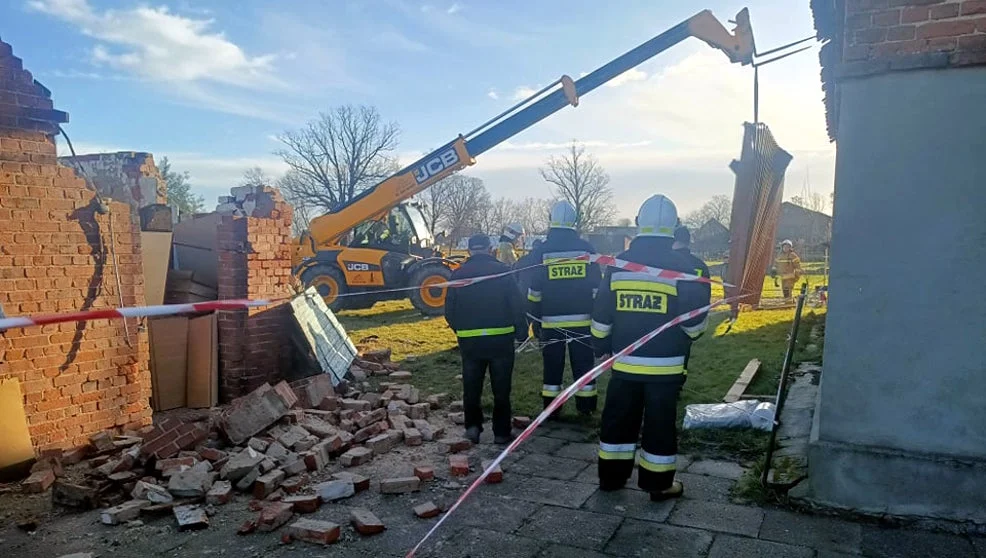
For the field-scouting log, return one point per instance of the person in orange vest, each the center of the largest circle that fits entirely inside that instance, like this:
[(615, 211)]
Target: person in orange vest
[(788, 266)]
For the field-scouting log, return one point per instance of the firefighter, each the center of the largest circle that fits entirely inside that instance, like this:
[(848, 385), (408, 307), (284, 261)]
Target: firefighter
[(645, 384), (788, 265), (560, 296), (682, 245), (506, 250), (486, 318)]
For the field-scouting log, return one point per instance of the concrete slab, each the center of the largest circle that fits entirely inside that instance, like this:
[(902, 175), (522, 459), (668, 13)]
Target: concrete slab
[(979, 543), (542, 444), (480, 543), (558, 551), (549, 467), (629, 503), (590, 475), (899, 543), (575, 527), (582, 452), (642, 539), (726, 546), (495, 513), (543, 491), (570, 434), (715, 468), (726, 518), (709, 489), (817, 532)]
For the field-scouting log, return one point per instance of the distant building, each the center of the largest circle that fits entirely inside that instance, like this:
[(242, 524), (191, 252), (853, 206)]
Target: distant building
[(611, 240), (711, 240), (810, 231)]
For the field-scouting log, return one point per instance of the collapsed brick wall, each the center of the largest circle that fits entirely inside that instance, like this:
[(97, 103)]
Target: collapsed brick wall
[(128, 176), (255, 262), (55, 256)]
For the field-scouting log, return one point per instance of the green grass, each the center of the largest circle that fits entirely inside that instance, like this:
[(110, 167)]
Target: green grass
[(717, 360)]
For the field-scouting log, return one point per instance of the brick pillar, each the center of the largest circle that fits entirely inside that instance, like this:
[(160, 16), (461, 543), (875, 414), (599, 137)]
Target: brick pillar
[(255, 262), (55, 256)]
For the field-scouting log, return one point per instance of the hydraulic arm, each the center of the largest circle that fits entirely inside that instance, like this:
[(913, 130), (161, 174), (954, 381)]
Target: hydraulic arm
[(375, 202)]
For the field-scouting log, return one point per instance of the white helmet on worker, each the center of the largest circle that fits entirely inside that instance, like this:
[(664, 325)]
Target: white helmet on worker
[(657, 217), (786, 242), (563, 215), (513, 231)]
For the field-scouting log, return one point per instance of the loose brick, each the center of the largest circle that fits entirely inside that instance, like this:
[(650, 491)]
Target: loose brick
[(521, 422), (458, 465), (294, 484), (304, 503), (365, 522), (456, 445), (400, 485), (39, 481), (75, 455), (373, 416), (427, 510), (296, 467), (455, 407), (258, 444), (191, 518), (364, 434), (267, 483), (246, 482), (457, 418), (400, 376), (256, 411), (174, 463), (419, 411), (381, 444), (102, 441), (273, 515), (127, 511), (360, 482), (241, 464), (191, 483), (74, 495), (412, 437), (247, 527), (495, 476), (220, 493), (314, 460), (310, 530), (355, 405), (212, 454), (333, 490), (424, 472), (355, 457)]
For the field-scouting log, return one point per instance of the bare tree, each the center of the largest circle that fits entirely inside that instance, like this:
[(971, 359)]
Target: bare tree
[(533, 213), (466, 200), (303, 211), (579, 178), (255, 176), (337, 155), (624, 222), (812, 201), (719, 208)]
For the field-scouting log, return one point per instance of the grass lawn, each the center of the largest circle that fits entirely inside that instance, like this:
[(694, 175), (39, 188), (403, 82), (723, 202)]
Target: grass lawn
[(717, 360)]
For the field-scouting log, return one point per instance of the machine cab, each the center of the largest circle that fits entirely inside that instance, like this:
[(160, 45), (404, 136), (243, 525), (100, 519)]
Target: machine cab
[(402, 230)]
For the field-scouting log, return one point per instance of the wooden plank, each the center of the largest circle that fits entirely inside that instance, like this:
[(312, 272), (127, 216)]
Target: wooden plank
[(735, 392)]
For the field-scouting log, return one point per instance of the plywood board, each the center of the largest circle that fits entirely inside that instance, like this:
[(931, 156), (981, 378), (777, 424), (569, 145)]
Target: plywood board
[(736, 392), (169, 362), (196, 242), (155, 252), (324, 335), (16, 451), (202, 388)]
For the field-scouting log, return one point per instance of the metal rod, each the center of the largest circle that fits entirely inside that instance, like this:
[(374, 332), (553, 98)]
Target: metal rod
[(780, 48), (779, 403), (513, 108), (756, 95), (781, 57)]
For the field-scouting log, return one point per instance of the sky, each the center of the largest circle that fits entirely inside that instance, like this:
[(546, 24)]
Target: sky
[(210, 85)]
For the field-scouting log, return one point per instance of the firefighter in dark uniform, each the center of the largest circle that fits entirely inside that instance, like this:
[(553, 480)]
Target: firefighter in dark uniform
[(560, 297), (486, 318), (682, 245), (645, 384)]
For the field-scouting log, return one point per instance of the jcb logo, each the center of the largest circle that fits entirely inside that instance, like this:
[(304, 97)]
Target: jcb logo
[(641, 301), (436, 164), (358, 267)]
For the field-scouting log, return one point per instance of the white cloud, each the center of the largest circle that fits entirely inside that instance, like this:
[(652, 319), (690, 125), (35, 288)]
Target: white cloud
[(454, 9), (524, 91), (633, 74), (158, 45), (492, 94)]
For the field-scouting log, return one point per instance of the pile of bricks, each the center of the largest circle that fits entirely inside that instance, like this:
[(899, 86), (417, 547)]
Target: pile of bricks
[(254, 251), (274, 445)]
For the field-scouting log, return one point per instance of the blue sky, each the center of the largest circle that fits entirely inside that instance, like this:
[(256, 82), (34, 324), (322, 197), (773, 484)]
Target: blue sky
[(210, 84)]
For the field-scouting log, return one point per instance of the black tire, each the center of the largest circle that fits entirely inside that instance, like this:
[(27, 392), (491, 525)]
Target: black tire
[(430, 302), (329, 281)]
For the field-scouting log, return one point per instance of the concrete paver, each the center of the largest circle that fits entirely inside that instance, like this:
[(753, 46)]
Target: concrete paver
[(543, 491), (642, 539), (817, 532), (980, 545), (726, 518), (542, 444), (716, 468), (495, 513), (726, 546), (558, 551), (480, 543), (549, 467), (583, 452), (710, 489), (629, 503), (573, 527), (880, 542), (570, 434)]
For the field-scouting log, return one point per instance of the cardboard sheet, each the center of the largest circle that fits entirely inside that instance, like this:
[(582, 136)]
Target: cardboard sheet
[(16, 451), (202, 389), (169, 362), (155, 252)]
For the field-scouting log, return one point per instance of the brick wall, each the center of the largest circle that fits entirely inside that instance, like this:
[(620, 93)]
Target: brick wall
[(77, 379), (950, 32), (128, 176), (255, 262)]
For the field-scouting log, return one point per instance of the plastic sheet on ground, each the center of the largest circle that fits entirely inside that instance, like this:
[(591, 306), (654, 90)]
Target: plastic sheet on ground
[(741, 414)]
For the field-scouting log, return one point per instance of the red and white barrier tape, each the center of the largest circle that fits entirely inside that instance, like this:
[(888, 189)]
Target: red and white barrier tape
[(558, 402)]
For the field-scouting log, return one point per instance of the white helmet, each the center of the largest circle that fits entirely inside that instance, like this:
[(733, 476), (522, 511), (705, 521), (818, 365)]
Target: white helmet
[(657, 217), (787, 242), (563, 215), (513, 231)]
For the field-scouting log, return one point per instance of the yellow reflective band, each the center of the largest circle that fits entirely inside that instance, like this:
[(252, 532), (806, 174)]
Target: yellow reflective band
[(629, 285), (533, 296), (586, 393), (648, 370), (656, 468), (547, 393), (616, 455), (484, 332), (556, 325), (656, 463), (600, 334)]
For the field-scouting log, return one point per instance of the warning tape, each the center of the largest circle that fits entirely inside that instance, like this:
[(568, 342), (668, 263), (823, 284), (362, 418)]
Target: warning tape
[(559, 401)]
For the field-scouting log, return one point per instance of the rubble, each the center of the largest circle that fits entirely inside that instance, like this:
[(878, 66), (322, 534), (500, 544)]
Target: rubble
[(427, 510), (365, 522), (360, 482), (39, 481), (241, 464), (273, 515), (424, 472), (310, 530), (400, 376), (356, 456), (156, 494), (400, 485), (220, 493), (191, 518), (122, 513), (333, 490), (190, 483), (305, 503), (266, 484), (458, 465), (495, 476), (256, 411)]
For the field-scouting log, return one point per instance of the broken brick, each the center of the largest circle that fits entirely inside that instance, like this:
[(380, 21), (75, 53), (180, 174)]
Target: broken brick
[(122, 513), (456, 407), (375, 415), (333, 490), (400, 485), (379, 356), (456, 445), (241, 464), (293, 435), (355, 457), (102, 441), (74, 495), (212, 454), (153, 493), (75, 455), (191, 483), (247, 527), (400, 376), (365, 522), (174, 462), (220, 493), (246, 483), (330, 403), (521, 422), (381, 444), (256, 411), (258, 444), (274, 515), (294, 484), (364, 434), (191, 518), (267, 483), (424, 472), (458, 465), (412, 437), (495, 476), (304, 503), (360, 482), (295, 467), (373, 398), (355, 405), (39, 481), (53, 464), (429, 432), (457, 418), (419, 411), (314, 460), (427, 510), (311, 530)]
